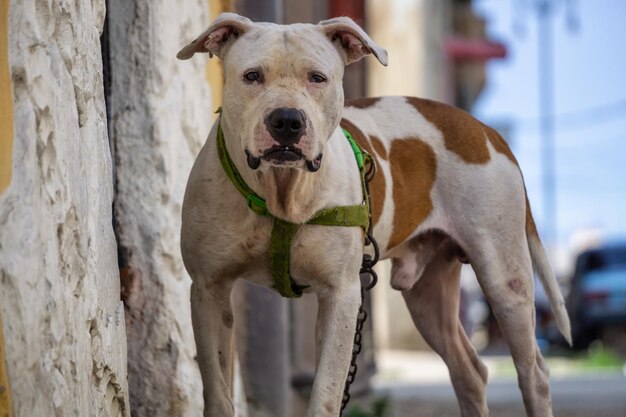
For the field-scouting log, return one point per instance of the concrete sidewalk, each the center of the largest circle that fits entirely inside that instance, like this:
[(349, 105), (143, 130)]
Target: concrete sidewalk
[(417, 384)]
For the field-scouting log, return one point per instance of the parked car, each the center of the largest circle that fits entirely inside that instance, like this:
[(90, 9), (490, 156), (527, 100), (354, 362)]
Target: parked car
[(597, 299)]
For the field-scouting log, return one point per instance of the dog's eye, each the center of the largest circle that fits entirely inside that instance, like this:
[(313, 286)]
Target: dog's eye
[(316, 78), (253, 76)]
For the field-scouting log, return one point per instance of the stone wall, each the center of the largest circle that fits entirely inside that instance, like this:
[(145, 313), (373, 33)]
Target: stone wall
[(161, 114), (65, 340)]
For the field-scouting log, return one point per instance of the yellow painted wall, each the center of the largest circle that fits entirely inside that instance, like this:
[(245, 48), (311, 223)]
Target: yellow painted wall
[(5, 389), (6, 102), (6, 150)]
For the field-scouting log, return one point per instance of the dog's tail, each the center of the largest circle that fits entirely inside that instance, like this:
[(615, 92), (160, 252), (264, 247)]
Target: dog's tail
[(546, 276)]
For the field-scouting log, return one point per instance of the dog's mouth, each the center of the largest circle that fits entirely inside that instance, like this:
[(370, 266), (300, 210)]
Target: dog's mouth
[(282, 154)]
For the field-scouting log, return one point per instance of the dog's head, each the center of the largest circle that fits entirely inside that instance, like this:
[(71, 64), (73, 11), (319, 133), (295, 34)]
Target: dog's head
[(283, 83)]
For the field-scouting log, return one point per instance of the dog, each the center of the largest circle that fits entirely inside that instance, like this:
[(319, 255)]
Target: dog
[(448, 189)]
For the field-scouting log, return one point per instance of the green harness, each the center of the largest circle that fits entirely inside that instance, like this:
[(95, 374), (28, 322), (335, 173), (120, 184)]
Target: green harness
[(283, 231)]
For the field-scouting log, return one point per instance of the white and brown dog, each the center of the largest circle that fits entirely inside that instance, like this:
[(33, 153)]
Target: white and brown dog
[(447, 187)]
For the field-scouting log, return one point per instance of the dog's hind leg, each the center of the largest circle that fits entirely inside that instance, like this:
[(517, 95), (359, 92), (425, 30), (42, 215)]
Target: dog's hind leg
[(213, 321), (434, 306), (504, 271)]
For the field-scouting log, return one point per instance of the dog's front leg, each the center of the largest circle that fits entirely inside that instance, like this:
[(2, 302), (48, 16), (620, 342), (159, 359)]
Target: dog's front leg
[(336, 321), (212, 318)]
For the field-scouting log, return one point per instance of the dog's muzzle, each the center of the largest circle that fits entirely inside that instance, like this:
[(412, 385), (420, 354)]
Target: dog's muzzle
[(282, 153), (315, 164), (253, 161), (286, 125)]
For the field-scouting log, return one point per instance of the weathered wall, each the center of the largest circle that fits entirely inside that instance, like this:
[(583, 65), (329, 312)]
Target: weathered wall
[(59, 286), (413, 34), (161, 115)]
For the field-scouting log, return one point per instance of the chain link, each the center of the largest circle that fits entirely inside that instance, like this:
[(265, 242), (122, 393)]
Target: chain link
[(367, 265), (366, 269)]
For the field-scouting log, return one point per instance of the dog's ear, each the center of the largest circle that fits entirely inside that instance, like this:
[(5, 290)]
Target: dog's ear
[(352, 40), (225, 29)]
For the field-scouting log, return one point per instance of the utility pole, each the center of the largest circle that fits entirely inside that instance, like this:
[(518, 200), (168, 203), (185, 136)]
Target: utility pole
[(546, 11)]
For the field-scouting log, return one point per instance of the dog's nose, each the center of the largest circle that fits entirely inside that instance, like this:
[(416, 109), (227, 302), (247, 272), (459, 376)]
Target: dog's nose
[(286, 125)]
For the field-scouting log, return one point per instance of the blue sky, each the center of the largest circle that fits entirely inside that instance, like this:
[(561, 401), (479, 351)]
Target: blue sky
[(590, 109)]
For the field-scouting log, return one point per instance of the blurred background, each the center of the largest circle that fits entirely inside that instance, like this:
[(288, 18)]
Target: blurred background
[(99, 127)]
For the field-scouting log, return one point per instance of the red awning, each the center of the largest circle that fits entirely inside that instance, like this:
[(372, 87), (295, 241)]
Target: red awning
[(459, 49)]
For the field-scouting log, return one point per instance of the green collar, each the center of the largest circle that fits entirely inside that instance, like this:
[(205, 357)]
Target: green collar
[(283, 231)]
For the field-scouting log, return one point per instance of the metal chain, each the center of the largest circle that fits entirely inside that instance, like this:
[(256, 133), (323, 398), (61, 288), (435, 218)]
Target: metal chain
[(356, 349), (366, 269)]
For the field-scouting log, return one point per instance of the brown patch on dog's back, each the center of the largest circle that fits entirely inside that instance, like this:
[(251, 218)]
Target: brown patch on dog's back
[(377, 186), (379, 147), (462, 133), (363, 102), (499, 144), (413, 170)]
